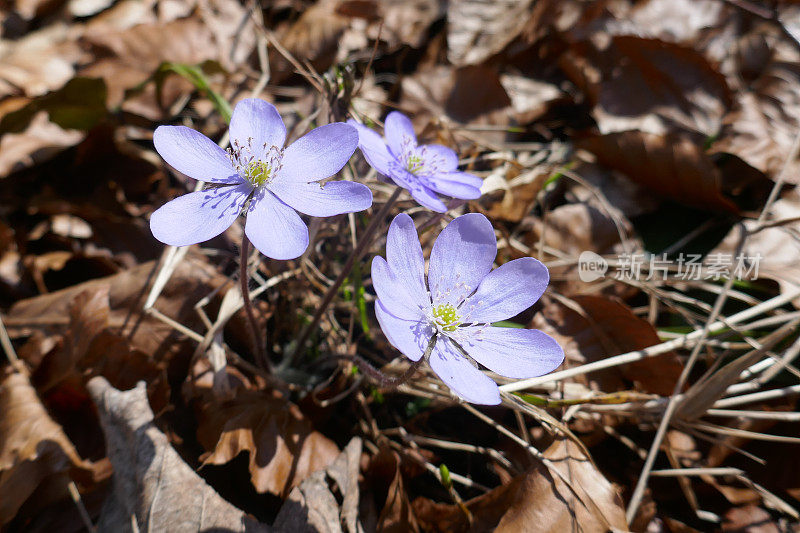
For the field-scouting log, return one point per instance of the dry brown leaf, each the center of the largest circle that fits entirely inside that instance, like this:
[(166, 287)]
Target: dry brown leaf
[(90, 348), (313, 507), (476, 30), (407, 22), (314, 36), (537, 501), (153, 488), (750, 519), (762, 128), (774, 252), (669, 165), (385, 476), (283, 446), (574, 229), (605, 328), (193, 279), (136, 53), (649, 85), (32, 446), (545, 499), (39, 62), (40, 142)]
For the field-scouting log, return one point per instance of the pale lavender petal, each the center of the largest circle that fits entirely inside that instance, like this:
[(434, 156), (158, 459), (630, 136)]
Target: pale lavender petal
[(404, 255), (394, 294), (461, 177), (373, 148), (256, 123), (275, 228), (512, 352), (458, 373), (443, 158), (198, 216), (507, 291), (461, 257), (427, 198), (411, 337), (455, 189), (399, 133), (332, 198), (318, 154), (192, 153)]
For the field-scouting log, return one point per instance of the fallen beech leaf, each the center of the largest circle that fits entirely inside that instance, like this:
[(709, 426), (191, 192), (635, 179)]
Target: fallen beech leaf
[(40, 142), (136, 53), (90, 348), (476, 30), (537, 501), (771, 253), (32, 445), (313, 505), (79, 104), (314, 36), (761, 129), (194, 279), (153, 488), (407, 22), (545, 499), (283, 446), (39, 62), (649, 85), (609, 328), (750, 518), (669, 165), (385, 476)]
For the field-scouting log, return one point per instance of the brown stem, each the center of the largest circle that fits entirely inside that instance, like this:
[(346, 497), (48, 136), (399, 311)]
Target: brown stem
[(361, 248), (384, 380), (258, 341)]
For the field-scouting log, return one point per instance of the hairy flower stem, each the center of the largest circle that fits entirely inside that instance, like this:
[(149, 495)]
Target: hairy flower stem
[(258, 342), (361, 248), (382, 379)]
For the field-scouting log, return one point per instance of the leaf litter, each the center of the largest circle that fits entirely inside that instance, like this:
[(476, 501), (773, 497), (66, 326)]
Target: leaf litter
[(663, 129)]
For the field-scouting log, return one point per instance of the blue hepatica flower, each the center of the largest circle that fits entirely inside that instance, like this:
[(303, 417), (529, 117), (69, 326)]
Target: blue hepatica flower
[(277, 181), (463, 296), (422, 169)]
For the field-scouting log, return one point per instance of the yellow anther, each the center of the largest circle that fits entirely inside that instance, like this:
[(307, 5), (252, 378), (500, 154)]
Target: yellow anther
[(446, 317), (258, 172)]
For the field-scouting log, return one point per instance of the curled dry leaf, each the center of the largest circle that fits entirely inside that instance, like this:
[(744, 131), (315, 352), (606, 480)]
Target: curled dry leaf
[(649, 85), (314, 506), (39, 142), (193, 279), (132, 55), (774, 252), (669, 165), (537, 501), (574, 229), (589, 502), (32, 445), (386, 479), (605, 327), (762, 127), (39, 62), (153, 489), (283, 446), (477, 30)]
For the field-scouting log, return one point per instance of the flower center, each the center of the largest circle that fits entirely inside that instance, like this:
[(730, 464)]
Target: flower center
[(256, 164), (414, 163), (446, 317), (257, 172)]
